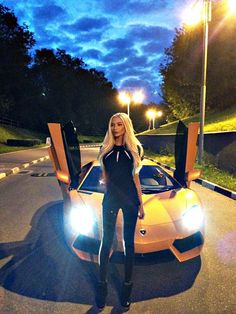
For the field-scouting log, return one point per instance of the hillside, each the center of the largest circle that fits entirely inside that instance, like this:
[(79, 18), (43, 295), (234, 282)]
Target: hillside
[(214, 122)]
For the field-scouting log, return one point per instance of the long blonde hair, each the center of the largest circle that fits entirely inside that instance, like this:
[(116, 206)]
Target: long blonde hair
[(130, 140)]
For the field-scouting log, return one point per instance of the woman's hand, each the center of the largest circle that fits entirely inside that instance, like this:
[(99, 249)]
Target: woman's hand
[(141, 213)]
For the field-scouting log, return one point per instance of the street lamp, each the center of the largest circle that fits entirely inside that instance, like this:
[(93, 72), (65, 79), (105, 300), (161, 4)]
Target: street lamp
[(197, 12), (232, 6), (126, 98), (151, 115), (159, 114), (207, 19), (195, 16)]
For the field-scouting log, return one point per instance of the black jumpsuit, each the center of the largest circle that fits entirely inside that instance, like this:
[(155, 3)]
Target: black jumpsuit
[(121, 193)]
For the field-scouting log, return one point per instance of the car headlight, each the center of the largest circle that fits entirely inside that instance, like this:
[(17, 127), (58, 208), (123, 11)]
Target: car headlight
[(193, 217), (81, 219)]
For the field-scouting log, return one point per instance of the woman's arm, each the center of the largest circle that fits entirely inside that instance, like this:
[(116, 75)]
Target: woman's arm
[(103, 177), (139, 190)]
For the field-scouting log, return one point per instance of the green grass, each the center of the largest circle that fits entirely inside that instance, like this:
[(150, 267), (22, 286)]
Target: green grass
[(214, 122), (209, 171), (90, 139), (9, 132), (8, 149)]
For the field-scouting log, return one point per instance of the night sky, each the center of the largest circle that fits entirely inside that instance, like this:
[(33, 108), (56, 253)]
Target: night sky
[(123, 38)]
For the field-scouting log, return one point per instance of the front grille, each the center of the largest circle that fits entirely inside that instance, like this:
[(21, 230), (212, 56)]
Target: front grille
[(87, 244), (189, 243)]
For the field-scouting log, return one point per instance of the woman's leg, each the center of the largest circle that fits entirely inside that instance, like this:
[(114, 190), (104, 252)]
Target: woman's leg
[(130, 215), (109, 223)]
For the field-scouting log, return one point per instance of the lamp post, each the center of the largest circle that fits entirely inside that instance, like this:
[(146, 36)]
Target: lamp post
[(151, 115), (127, 97), (192, 19), (207, 19)]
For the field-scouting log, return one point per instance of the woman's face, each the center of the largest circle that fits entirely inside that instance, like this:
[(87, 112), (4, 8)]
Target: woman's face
[(117, 127)]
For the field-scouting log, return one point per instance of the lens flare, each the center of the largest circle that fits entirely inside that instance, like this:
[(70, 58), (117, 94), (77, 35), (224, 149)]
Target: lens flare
[(232, 6), (193, 15), (81, 220), (193, 217)]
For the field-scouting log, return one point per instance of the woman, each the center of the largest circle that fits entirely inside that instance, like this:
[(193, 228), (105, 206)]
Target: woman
[(121, 162)]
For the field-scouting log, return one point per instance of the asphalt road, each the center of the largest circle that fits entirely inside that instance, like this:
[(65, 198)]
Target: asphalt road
[(39, 275)]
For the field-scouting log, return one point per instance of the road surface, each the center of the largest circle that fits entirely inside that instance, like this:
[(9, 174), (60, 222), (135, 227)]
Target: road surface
[(39, 275)]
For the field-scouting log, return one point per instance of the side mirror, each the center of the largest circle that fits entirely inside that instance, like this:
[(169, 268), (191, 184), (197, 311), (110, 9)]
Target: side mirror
[(192, 175)]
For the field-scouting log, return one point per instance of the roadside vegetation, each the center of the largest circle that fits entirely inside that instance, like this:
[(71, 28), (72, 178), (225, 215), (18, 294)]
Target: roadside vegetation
[(214, 122), (209, 171), (10, 132)]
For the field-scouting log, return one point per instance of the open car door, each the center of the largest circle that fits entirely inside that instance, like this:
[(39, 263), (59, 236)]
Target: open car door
[(185, 153), (64, 153)]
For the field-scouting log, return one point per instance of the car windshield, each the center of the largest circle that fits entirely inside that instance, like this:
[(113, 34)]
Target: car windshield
[(153, 179)]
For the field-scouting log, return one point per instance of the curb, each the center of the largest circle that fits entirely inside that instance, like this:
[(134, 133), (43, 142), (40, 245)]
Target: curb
[(207, 184), (23, 166), (33, 162)]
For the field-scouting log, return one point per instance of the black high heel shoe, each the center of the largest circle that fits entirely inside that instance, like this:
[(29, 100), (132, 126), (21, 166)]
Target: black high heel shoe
[(101, 294), (125, 295)]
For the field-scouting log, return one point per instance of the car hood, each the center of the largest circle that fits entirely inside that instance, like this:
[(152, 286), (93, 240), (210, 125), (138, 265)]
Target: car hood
[(164, 207)]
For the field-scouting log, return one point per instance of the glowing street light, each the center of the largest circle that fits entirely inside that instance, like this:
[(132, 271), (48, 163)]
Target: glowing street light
[(193, 15), (232, 6), (151, 115), (127, 97), (206, 9)]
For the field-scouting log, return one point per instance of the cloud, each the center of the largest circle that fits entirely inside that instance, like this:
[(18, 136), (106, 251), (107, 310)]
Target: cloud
[(123, 38), (87, 37), (153, 47), (130, 64), (48, 13), (86, 24), (114, 6), (121, 43), (132, 83), (117, 55), (133, 7), (92, 54), (139, 32), (133, 66), (144, 7)]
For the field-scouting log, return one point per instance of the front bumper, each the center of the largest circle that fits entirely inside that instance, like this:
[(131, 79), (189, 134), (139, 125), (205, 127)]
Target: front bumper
[(188, 247)]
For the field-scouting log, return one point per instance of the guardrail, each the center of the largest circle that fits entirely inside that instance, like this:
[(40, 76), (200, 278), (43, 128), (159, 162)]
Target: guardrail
[(7, 121)]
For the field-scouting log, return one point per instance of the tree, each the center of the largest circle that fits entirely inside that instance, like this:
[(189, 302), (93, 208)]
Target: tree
[(15, 42), (68, 91), (182, 67)]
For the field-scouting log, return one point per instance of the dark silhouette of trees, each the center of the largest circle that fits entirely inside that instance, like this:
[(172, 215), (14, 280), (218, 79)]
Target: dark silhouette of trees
[(15, 42), (68, 91), (181, 70), (52, 86)]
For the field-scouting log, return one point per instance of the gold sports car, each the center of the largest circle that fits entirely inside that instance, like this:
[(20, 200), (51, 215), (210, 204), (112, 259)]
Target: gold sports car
[(173, 219)]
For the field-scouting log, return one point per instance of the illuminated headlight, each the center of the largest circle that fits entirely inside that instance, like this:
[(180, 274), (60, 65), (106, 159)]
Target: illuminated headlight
[(193, 217), (81, 219)]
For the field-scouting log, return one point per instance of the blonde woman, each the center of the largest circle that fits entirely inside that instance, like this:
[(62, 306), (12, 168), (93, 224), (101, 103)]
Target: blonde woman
[(120, 159)]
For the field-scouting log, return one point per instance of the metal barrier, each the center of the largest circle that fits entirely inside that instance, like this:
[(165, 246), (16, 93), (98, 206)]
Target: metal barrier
[(7, 121)]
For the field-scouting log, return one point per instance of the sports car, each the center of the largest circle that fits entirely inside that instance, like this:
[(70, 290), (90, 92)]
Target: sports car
[(174, 217)]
